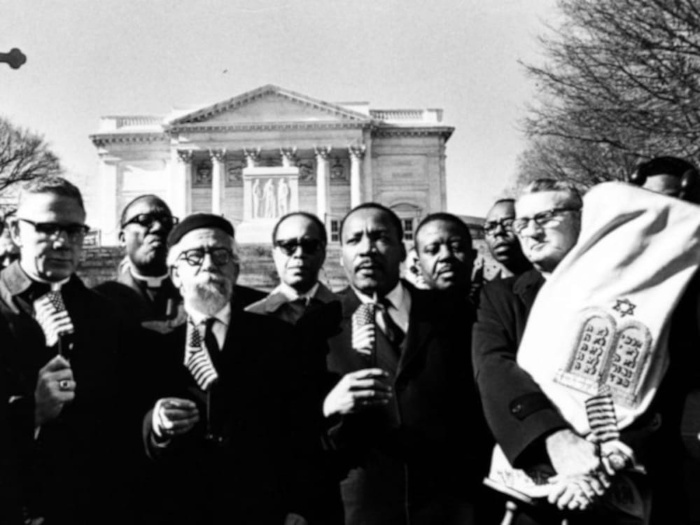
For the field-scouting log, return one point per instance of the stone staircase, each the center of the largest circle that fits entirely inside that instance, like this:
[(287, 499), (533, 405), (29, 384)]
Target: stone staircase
[(257, 268)]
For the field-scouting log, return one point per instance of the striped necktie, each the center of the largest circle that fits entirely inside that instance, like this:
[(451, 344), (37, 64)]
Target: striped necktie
[(197, 358)]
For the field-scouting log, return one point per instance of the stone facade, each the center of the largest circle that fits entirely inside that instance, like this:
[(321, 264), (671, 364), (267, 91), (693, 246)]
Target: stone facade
[(268, 151)]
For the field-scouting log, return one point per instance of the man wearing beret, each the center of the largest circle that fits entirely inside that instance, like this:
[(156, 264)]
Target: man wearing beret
[(233, 427), (143, 287)]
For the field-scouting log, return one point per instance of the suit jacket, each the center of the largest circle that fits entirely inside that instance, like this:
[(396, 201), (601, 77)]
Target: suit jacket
[(163, 313), (424, 466), (517, 411), (78, 464), (277, 305), (267, 463), (130, 294)]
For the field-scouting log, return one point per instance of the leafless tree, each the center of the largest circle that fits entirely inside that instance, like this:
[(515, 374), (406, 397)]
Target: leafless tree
[(620, 84), (24, 155)]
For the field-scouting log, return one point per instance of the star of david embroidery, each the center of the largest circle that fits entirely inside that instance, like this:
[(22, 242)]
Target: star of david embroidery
[(624, 307)]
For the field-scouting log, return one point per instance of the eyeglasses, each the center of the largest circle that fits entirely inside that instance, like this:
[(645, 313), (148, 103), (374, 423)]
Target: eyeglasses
[(506, 224), (308, 246), (543, 219), (219, 256), (149, 219), (74, 231)]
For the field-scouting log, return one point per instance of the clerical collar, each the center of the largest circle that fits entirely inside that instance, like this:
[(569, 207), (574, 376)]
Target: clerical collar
[(292, 295), (223, 315), (151, 282), (35, 277)]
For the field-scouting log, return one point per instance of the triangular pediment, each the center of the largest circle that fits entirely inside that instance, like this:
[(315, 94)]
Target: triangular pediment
[(267, 105)]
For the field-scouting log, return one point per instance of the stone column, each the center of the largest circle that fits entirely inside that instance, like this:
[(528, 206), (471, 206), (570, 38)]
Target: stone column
[(356, 154), (322, 182), (181, 184), (251, 157), (218, 180), (109, 195)]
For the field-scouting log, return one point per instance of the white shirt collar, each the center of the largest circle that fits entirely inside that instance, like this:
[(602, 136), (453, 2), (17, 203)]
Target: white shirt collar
[(219, 328), (151, 282), (400, 304), (292, 295), (223, 315), (35, 277)]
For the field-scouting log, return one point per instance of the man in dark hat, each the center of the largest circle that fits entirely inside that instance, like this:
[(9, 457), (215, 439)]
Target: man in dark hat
[(233, 427), (670, 176), (143, 287)]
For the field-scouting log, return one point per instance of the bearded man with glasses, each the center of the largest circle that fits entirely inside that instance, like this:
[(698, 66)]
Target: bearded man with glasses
[(143, 287), (65, 385), (233, 432)]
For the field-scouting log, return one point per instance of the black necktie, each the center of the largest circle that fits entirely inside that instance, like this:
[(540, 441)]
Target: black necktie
[(210, 339), (392, 330)]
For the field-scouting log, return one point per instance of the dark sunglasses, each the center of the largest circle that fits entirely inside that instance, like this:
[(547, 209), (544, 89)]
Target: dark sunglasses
[(308, 246), (54, 229), (219, 256), (149, 219)]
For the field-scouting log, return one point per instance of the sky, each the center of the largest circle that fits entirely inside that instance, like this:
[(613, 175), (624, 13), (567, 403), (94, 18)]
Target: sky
[(87, 59)]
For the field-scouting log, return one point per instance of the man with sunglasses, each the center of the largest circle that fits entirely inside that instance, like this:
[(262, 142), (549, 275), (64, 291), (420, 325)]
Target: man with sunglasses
[(299, 251), (501, 240), (233, 431), (143, 287), (66, 391)]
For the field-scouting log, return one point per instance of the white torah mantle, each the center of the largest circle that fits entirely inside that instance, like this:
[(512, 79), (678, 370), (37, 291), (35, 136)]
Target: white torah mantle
[(600, 322)]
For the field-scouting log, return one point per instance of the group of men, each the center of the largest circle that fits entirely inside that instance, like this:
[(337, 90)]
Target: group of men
[(173, 395)]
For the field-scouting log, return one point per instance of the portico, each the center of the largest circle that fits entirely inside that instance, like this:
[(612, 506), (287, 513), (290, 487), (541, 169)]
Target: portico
[(259, 155)]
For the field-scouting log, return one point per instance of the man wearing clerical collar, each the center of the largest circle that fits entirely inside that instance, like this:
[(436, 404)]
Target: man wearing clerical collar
[(233, 412), (61, 352), (401, 353), (299, 251), (143, 287)]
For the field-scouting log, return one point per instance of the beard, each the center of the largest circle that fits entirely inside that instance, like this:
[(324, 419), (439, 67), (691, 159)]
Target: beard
[(210, 296)]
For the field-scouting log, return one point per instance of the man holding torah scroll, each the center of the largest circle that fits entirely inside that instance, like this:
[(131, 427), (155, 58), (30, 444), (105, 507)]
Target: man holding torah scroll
[(403, 418), (577, 413)]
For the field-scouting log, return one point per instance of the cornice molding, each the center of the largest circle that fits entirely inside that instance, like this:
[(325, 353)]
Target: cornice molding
[(263, 126), (126, 138), (266, 91), (444, 131)]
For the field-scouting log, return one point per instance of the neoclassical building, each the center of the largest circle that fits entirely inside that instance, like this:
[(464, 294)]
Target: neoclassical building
[(269, 151)]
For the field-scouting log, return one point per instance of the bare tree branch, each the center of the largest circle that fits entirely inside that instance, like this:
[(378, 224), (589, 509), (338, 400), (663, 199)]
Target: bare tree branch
[(620, 83)]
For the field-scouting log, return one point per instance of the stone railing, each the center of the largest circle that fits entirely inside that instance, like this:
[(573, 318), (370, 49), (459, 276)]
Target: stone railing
[(127, 122), (415, 115)]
